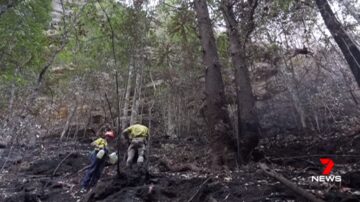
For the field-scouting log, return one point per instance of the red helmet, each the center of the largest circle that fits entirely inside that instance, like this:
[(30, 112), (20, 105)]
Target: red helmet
[(110, 134)]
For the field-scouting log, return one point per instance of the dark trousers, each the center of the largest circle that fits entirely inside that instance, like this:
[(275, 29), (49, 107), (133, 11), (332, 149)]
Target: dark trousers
[(93, 173)]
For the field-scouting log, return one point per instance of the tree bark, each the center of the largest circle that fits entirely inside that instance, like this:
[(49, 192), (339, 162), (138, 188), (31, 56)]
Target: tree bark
[(118, 133), (349, 49), (297, 104), (215, 112), (287, 72), (124, 122), (136, 97), (248, 125), (12, 98), (171, 125), (139, 59)]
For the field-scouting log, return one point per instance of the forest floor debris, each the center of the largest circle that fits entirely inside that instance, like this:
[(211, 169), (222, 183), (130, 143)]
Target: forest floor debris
[(51, 171)]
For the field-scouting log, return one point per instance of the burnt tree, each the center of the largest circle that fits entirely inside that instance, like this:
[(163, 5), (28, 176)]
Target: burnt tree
[(214, 111), (248, 125), (349, 49)]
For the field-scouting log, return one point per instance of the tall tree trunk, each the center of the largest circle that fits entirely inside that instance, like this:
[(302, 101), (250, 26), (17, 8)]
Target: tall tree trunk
[(136, 97), (68, 121), (125, 122), (171, 111), (288, 73), (348, 47), (215, 112), (297, 104), (12, 98), (139, 59), (248, 125)]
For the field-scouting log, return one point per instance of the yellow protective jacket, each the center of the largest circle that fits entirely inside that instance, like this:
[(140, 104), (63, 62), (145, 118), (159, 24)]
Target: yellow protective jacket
[(136, 131), (99, 143)]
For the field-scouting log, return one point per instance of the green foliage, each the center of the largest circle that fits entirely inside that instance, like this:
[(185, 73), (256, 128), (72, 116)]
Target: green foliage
[(22, 39), (178, 39), (284, 4), (169, 42), (91, 40)]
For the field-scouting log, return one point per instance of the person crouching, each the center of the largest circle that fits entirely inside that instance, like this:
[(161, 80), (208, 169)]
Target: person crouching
[(97, 159), (136, 136)]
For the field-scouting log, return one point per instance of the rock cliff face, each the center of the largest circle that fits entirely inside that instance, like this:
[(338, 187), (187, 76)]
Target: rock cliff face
[(57, 12), (260, 73)]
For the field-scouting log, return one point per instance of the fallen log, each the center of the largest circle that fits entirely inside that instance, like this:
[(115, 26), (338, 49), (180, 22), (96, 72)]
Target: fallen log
[(298, 190)]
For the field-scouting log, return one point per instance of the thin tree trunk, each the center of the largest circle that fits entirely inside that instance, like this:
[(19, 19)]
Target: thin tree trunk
[(12, 98), (316, 117), (349, 49), (353, 97), (124, 122), (110, 111), (171, 125), (68, 121), (64, 41), (294, 95), (13, 93), (102, 104), (77, 127), (117, 122), (139, 100), (149, 138), (136, 98), (139, 59), (297, 104), (215, 112)]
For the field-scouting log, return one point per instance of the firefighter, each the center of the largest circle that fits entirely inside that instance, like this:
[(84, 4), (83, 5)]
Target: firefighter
[(97, 159), (136, 136)]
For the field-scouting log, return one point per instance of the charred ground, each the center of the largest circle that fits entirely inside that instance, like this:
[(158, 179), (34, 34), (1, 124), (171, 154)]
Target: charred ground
[(178, 171)]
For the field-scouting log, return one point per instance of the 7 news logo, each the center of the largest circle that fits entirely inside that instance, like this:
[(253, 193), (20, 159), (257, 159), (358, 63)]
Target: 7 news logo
[(326, 177)]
